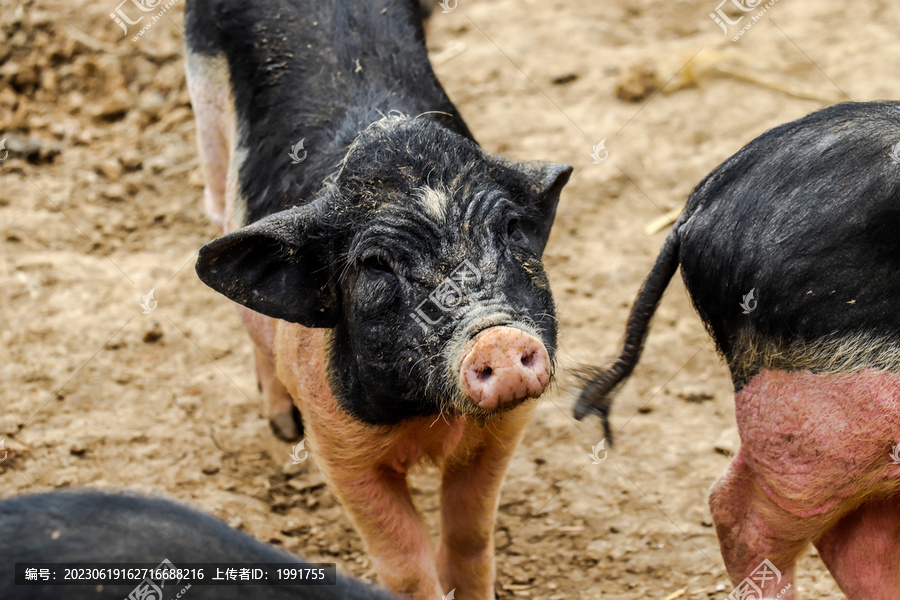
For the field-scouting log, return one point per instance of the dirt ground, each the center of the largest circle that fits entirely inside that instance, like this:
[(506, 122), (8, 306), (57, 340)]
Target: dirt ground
[(100, 202)]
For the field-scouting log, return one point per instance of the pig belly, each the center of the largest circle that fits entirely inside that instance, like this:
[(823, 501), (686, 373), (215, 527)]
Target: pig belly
[(820, 443)]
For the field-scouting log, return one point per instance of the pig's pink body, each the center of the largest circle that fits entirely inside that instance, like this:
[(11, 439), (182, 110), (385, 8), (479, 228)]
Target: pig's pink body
[(815, 466), (367, 465)]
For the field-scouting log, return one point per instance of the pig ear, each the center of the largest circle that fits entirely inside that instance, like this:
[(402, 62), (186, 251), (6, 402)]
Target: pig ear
[(543, 183), (275, 266)]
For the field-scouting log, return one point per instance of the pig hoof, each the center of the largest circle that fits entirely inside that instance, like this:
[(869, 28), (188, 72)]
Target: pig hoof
[(287, 427)]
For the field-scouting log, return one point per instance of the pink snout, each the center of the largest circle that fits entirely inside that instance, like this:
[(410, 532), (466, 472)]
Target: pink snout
[(502, 366)]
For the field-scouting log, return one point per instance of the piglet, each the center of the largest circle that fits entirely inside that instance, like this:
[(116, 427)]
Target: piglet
[(387, 269)]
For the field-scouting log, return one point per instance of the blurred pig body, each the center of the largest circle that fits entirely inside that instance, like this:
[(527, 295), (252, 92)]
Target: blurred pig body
[(387, 269), (91, 526), (791, 254)]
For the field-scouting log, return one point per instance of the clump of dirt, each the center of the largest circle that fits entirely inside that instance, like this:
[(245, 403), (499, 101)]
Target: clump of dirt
[(637, 82)]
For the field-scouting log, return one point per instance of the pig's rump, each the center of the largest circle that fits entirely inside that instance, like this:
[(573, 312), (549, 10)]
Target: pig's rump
[(820, 444)]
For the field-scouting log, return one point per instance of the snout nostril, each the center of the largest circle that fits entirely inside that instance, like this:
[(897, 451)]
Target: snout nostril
[(501, 367)]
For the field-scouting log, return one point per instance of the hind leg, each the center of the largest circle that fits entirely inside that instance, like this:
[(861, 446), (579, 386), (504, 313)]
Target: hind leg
[(210, 91), (862, 551), (284, 418), (751, 530)]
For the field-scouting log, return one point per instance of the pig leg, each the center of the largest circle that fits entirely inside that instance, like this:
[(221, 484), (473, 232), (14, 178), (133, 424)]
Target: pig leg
[(752, 528), (470, 490), (379, 502), (862, 551), (284, 418), (209, 86), (210, 91), (360, 466)]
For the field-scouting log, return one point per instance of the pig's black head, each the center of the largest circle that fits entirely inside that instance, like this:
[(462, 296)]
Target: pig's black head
[(422, 254)]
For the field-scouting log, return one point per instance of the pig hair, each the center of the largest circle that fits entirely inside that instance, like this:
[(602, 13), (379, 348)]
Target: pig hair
[(830, 355)]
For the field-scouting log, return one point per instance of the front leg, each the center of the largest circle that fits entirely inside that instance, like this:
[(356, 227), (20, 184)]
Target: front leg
[(470, 491), (379, 502)]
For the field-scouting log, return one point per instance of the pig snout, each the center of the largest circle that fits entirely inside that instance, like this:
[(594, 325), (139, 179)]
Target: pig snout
[(502, 366)]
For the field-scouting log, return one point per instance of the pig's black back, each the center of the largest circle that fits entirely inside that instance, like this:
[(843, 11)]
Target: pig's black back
[(808, 215), (94, 526), (319, 70)]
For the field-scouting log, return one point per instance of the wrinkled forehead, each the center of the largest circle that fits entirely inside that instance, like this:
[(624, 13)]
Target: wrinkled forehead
[(402, 154), (432, 221), (416, 184)]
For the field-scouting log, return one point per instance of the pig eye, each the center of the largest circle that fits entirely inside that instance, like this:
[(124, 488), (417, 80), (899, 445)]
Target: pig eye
[(514, 232), (377, 266)]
